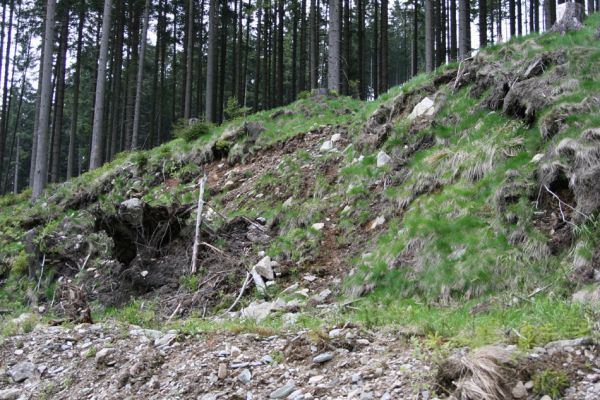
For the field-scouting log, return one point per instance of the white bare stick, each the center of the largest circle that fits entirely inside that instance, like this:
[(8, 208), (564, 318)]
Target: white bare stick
[(41, 273), (174, 312), (237, 300), (198, 222), (560, 202)]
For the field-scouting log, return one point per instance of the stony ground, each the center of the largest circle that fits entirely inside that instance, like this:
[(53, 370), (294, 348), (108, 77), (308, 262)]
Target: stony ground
[(112, 361), (104, 361)]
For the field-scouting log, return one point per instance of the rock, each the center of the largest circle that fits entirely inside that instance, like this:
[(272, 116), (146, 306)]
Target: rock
[(10, 394), (561, 344), (425, 108), (165, 340), (309, 278), (546, 397), (258, 281), (245, 376), (569, 17), (322, 296), (529, 385), (297, 395), (537, 158), (266, 359), (132, 211), (587, 296), (265, 269), (104, 356), (288, 203), (326, 146), (519, 391), (318, 226), (257, 310), (383, 159), (316, 379), (283, 391), (23, 371), (222, 371), (376, 223), (336, 138), (323, 358)]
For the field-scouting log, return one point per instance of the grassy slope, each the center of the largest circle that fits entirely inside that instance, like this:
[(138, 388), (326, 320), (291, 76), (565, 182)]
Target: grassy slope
[(465, 257)]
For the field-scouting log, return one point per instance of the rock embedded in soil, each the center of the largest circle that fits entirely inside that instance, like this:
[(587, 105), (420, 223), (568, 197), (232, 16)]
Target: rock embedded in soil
[(222, 371), (265, 269), (519, 391), (323, 358), (23, 371), (245, 376), (10, 394), (283, 391)]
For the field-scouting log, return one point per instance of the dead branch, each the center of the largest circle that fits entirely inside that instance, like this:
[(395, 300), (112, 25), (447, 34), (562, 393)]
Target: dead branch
[(241, 293), (198, 222), (561, 203)]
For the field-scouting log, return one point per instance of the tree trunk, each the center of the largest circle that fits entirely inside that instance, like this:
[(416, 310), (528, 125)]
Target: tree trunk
[(211, 70), (76, 85), (415, 40), (361, 49), (383, 65), (314, 44), (60, 99), (258, 65), (187, 109), (294, 80), (222, 62), (375, 51), (333, 61), (453, 32), (464, 40), (4, 122), (482, 23), (519, 18), (346, 49), (303, 46), (98, 127), (41, 161), (140, 78), (512, 18), (280, 65), (429, 35)]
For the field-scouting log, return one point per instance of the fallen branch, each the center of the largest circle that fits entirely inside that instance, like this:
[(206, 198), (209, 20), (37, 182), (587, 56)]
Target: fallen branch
[(174, 312), (560, 203), (198, 222), (237, 300), (41, 273)]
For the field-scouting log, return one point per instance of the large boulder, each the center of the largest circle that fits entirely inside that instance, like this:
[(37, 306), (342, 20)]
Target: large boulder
[(570, 16)]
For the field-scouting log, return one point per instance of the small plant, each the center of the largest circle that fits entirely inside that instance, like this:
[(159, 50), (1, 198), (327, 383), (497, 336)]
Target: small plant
[(140, 159), (91, 352), (278, 357), (233, 109), (550, 382), (191, 132), (19, 266), (305, 94), (189, 282)]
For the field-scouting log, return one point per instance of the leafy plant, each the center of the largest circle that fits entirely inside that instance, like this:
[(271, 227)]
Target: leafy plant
[(550, 382)]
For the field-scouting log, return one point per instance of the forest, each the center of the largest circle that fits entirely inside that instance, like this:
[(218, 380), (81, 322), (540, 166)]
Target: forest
[(83, 80)]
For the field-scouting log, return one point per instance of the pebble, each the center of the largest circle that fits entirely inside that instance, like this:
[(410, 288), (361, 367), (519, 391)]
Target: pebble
[(322, 358), (283, 391), (222, 372), (245, 376)]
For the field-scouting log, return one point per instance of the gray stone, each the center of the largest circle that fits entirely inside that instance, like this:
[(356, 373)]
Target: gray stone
[(326, 146), (283, 391), (132, 211), (222, 371), (296, 395), (425, 108), (9, 394), (258, 281), (383, 159), (322, 296), (318, 226), (245, 376), (103, 356), (258, 311), (265, 269), (561, 344), (519, 391), (322, 358), (165, 340), (23, 371)]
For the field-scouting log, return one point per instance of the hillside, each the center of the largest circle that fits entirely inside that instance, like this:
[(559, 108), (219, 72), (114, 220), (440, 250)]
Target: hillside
[(455, 212)]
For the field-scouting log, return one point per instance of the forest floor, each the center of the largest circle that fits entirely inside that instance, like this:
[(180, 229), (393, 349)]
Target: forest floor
[(441, 241)]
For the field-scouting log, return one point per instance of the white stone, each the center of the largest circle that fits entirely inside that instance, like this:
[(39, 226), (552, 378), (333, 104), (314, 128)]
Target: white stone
[(377, 222), (318, 226), (537, 158), (258, 281), (336, 138), (383, 159), (425, 108), (257, 311), (265, 269), (326, 146)]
